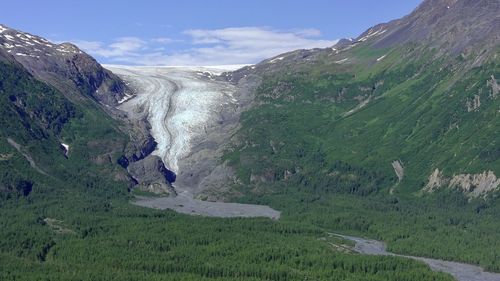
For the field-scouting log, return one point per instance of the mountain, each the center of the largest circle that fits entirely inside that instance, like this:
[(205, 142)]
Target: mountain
[(63, 66), (407, 113), (58, 114), (416, 85), (391, 136)]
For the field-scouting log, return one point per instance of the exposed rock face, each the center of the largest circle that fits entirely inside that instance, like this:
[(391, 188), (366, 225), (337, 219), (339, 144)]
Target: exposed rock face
[(436, 180), (151, 175), (473, 185), (495, 88), (398, 169), (473, 104), (63, 66), (142, 143)]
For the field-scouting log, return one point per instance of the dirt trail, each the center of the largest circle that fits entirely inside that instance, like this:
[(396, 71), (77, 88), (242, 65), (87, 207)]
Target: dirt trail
[(460, 271)]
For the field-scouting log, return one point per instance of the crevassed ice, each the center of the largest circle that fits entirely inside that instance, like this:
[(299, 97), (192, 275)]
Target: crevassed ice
[(180, 105)]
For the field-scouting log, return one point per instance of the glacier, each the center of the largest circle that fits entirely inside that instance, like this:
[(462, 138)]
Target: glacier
[(179, 103), (185, 106)]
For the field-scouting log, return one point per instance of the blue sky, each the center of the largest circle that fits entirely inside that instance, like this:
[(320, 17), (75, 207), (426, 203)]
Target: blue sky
[(198, 32)]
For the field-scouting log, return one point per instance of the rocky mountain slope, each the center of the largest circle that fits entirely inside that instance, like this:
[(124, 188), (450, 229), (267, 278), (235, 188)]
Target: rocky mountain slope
[(64, 66), (420, 91), (59, 113), (456, 26)]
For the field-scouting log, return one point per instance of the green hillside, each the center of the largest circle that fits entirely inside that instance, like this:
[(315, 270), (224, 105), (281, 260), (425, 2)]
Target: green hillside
[(70, 218), (37, 118), (311, 149), (340, 140)]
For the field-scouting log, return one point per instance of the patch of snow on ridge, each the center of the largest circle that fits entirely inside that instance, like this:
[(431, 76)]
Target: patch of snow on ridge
[(341, 61), (276, 59), (66, 148), (9, 37), (2, 28), (381, 58), (372, 33)]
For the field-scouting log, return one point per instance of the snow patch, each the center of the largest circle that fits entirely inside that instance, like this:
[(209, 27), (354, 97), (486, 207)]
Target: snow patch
[(9, 37), (21, 54), (372, 33), (276, 59), (66, 148), (21, 36), (125, 98), (381, 58), (341, 61), (2, 28)]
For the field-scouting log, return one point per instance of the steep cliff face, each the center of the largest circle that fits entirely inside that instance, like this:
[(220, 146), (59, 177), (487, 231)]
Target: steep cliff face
[(64, 66), (44, 86), (473, 185)]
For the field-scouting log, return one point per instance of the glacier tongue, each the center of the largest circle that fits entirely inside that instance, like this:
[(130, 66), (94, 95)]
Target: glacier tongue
[(191, 113), (180, 103)]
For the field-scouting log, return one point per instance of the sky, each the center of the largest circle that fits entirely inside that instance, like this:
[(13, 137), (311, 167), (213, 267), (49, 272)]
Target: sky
[(198, 32)]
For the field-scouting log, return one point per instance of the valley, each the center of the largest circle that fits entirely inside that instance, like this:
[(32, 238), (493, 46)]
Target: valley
[(374, 158)]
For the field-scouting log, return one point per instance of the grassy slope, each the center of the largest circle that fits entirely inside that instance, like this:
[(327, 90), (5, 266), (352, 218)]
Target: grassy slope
[(299, 152)]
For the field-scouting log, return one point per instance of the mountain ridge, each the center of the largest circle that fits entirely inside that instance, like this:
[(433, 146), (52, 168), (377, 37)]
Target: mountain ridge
[(63, 66)]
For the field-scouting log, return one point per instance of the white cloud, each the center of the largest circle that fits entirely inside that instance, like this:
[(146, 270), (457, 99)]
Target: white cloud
[(165, 40), (121, 47), (237, 45)]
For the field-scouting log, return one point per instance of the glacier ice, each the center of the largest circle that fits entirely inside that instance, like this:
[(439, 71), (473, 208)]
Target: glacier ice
[(179, 103)]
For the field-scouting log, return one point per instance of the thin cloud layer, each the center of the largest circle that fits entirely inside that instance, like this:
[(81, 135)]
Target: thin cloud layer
[(238, 45)]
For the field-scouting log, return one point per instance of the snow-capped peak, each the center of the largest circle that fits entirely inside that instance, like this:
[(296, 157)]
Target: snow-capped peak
[(21, 44)]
